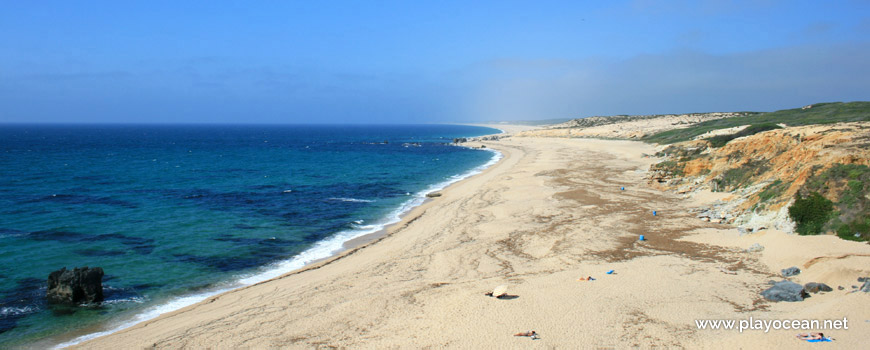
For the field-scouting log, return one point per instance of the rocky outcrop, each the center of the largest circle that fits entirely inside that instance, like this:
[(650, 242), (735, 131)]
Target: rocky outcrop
[(77, 286), (461, 140), (754, 248), (791, 271), (489, 137), (815, 287), (763, 171), (785, 291)]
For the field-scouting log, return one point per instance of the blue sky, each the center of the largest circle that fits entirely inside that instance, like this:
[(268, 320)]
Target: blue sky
[(409, 61)]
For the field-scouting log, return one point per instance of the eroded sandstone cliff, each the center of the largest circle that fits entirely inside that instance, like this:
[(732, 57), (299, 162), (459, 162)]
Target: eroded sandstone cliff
[(766, 170)]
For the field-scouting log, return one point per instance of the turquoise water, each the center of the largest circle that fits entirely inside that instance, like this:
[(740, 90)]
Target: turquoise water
[(174, 213)]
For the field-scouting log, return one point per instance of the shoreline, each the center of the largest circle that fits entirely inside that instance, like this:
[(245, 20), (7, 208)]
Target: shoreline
[(365, 239), (341, 246), (349, 247), (548, 212)]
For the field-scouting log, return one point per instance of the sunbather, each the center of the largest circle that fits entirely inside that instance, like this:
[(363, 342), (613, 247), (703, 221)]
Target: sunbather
[(530, 334), (811, 336)]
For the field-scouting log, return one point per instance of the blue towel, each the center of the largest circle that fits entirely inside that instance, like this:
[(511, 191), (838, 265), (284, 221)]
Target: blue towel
[(825, 339)]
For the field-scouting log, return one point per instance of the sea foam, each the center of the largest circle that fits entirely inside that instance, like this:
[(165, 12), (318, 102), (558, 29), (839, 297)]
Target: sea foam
[(319, 251)]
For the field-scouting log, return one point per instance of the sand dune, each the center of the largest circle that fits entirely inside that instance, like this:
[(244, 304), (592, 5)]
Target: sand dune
[(549, 213)]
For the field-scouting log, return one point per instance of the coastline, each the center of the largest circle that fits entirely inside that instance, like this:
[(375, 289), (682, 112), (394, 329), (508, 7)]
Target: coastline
[(344, 242), (549, 212)]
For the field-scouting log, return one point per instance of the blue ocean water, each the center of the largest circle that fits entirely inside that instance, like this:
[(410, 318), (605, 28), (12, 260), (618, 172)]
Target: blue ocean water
[(176, 213)]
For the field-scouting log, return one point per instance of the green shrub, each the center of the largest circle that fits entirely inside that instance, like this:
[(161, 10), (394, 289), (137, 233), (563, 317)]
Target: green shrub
[(855, 231), (810, 213), (773, 190), (849, 183), (670, 165), (738, 177)]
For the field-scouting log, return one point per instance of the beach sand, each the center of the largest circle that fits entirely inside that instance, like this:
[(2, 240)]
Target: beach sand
[(551, 211)]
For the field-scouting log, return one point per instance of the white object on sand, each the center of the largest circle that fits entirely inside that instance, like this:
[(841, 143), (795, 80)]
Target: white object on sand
[(500, 291)]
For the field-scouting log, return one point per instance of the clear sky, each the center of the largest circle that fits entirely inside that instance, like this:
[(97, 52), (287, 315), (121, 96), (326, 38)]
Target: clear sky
[(414, 61)]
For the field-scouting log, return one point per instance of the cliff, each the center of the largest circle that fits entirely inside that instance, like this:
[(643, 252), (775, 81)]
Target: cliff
[(766, 171), (804, 170)]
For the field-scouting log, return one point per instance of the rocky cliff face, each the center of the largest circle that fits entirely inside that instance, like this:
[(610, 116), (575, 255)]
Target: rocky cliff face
[(765, 170)]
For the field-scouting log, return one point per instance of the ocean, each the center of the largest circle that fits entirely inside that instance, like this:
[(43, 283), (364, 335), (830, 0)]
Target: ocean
[(174, 214)]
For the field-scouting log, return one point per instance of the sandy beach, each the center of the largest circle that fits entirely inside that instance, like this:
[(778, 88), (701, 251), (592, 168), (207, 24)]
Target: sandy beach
[(550, 212)]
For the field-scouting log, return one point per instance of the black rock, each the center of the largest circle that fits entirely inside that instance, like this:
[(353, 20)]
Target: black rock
[(862, 279), (791, 271), (866, 287), (77, 286), (814, 287), (785, 291)]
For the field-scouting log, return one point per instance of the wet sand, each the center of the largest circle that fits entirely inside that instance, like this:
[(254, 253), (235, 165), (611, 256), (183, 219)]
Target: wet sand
[(550, 212)]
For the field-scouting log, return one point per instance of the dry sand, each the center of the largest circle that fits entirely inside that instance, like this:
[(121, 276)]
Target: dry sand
[(551, 211)]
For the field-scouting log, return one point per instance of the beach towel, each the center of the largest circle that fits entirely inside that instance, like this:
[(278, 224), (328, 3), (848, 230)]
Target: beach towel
[(825, 339)]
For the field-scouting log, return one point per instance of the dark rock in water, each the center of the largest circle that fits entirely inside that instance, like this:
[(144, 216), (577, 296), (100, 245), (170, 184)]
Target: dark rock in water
[(862, 279), (791, 271), (814, 287), (80, 285), (785, 291), (433, 194)]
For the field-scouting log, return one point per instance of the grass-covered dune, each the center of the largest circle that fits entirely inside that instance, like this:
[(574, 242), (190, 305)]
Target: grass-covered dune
[(820, 113)]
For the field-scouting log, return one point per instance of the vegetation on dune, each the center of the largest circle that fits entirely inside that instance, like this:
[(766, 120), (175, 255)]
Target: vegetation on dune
[(678, 158), (848, 184), (773, 190), (670, 167), (835, 197), (721, 140), (820, 113), (810, 213), (681, 153), (741, 176)]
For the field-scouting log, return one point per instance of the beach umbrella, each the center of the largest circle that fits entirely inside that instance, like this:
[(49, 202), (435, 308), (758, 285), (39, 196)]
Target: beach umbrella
[(500, 291)]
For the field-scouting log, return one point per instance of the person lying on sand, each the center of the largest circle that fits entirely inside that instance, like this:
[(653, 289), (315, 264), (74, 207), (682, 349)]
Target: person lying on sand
[(531, 334), (811, 336)]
